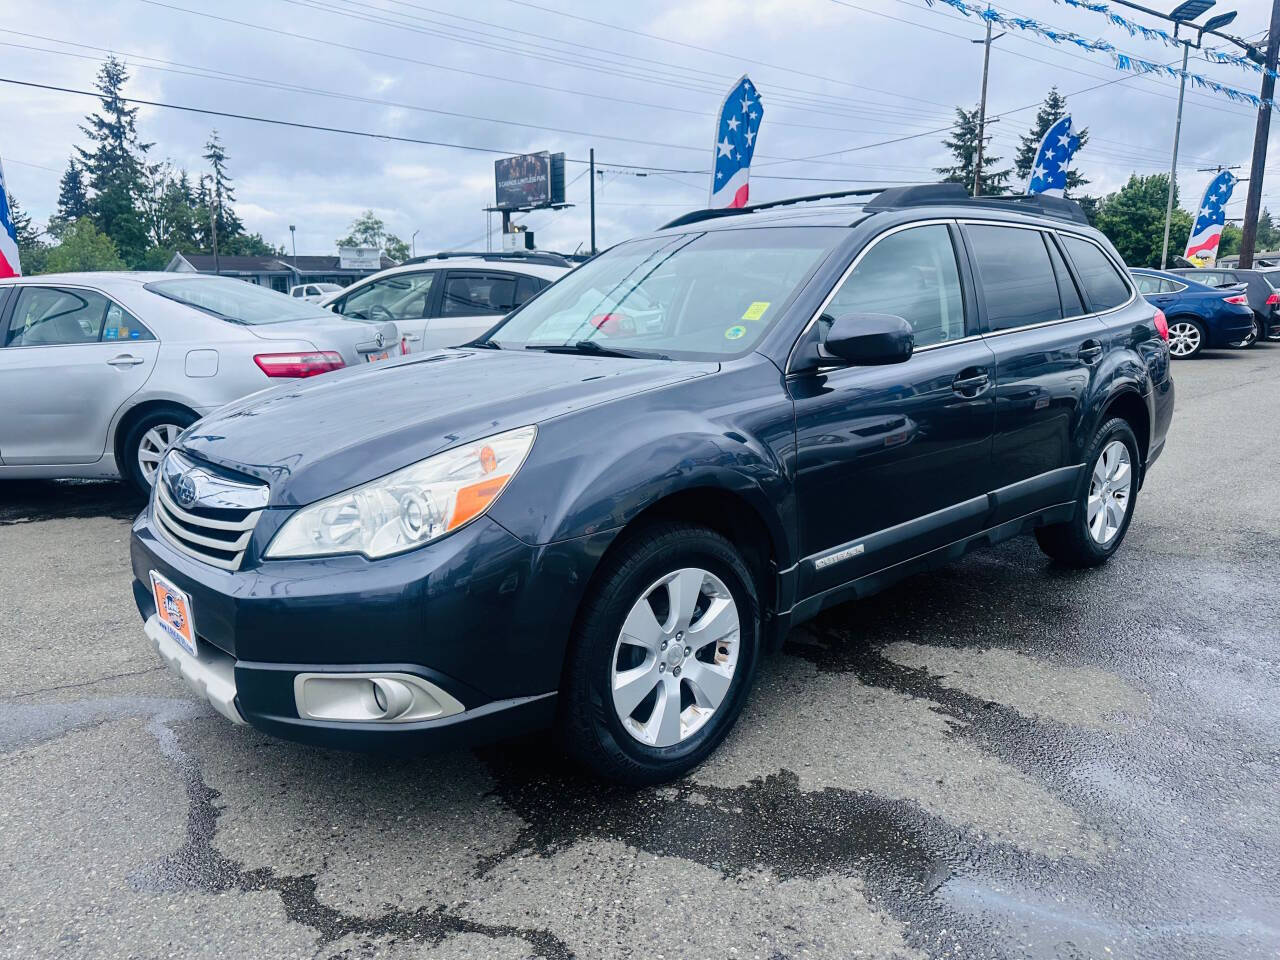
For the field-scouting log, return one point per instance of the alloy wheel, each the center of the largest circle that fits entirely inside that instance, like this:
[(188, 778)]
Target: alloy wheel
[(152, 446), (1184, 339), (1109, 490), (675, 658)]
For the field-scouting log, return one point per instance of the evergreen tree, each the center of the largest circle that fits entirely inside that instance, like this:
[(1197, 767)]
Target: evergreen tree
[(1051, 111), (32, 251), (1268, 237), (73, 199), (964, 146), (221, 191), (1133, 220), (114, 162)]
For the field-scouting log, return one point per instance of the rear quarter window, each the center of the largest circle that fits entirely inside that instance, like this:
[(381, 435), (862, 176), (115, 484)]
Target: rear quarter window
[(1103, 283)]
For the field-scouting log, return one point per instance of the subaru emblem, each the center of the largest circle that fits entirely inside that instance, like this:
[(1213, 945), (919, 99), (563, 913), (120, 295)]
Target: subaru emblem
[(184, 489)]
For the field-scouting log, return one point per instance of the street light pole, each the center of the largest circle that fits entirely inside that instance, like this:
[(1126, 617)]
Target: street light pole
[(1249, 230), (1173, 164), (293, 238), (413, 244)]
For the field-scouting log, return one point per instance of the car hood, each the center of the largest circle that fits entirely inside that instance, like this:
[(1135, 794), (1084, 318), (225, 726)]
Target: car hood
[(313, 438)]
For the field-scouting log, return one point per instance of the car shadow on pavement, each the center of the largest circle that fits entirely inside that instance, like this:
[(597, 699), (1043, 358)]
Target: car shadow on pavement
[(25, 501)]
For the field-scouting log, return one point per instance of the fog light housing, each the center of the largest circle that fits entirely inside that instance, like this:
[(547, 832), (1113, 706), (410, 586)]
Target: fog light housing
[(370, 698)]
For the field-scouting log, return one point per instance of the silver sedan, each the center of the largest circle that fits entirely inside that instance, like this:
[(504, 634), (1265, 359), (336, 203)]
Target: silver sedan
[(99, 372)]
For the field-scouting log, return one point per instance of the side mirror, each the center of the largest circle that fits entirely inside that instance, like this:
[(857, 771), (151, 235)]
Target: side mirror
[(869, 339)]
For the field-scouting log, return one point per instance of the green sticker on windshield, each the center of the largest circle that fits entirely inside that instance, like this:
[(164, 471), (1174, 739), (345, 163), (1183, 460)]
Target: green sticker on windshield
[(756, 310), (736, 332)]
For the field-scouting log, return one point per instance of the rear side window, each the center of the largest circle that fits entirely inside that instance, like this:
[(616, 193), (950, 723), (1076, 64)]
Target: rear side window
[(911, 274), (1147, 285), (1103, 284), (468, 295), (45, 316), (1016, 275), (526, 287), (1072, 305)]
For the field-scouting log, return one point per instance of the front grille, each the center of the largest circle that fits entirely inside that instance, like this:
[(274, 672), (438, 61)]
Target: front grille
[(217, 537)]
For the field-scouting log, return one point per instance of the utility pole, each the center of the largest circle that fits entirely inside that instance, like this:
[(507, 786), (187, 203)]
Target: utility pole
[(293, 238), (591, 159), (1173, 164), (982, 105), (1249, 229), (213, 231)]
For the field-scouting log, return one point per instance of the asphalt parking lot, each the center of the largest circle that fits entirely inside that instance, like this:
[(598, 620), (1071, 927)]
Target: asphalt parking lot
[(1003, 759)]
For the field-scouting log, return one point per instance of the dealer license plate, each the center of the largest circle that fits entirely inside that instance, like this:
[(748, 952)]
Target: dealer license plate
[(371, 357), (173, 608)]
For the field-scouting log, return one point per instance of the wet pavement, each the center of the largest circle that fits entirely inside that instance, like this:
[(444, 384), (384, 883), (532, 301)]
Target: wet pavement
[(1001, 759)]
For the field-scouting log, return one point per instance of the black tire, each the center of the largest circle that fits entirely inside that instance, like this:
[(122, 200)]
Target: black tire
[(1071, 543), (1200, 344), (592, 731), (129, 467)]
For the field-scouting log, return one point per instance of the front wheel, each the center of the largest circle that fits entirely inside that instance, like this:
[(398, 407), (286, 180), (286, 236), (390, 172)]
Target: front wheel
[(662, 656), (1104, 504)]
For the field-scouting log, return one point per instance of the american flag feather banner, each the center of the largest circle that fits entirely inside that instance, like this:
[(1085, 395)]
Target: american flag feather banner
[(1053, 159), (9, 265), (736, 129), (1206, 231)]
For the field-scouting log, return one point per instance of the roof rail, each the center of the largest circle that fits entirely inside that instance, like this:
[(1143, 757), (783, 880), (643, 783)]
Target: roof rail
[(694, 216), (937, 194), (916, 195), (544, 257)]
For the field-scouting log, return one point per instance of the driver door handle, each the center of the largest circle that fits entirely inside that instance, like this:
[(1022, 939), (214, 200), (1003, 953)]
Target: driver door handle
[(125, 360), (971, 382)]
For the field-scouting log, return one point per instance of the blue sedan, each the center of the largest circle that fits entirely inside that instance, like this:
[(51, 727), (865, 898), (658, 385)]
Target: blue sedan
[(1200, 317)]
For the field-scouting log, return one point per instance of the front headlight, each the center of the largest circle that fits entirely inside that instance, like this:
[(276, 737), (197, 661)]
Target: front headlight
[(410, 507)]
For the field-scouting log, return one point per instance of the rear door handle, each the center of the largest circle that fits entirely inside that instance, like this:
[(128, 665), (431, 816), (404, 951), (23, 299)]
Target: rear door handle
[(1090, 351), (971, 382), (125, 360), (412, 337)]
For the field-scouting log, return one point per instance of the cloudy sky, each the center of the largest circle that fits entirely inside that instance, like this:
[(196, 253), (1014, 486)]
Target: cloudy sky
[(639, 82)]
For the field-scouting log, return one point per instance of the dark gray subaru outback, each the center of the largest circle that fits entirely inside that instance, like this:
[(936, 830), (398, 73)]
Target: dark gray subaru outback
[(601, 514)]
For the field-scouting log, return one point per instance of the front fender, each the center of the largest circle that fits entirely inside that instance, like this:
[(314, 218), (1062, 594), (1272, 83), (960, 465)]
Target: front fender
[(599, 468)]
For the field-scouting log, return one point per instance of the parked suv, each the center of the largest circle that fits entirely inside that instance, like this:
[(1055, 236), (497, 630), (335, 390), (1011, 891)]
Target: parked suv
[(601, 513), (446, 299)]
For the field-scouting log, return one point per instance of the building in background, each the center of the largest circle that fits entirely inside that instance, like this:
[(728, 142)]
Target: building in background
[(279, 273)]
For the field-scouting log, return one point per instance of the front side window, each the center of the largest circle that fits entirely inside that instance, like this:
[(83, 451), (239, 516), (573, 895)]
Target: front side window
[(235, 301), (1149, 285), (45, 316), (1016, 274), (403, 296), (913, 275), (1103, 284), (708, 295)]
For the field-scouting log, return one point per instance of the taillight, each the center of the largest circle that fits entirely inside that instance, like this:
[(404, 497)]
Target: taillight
[(1239, 299), (298, 364), (404, 346), (1273, 300), (1162, 325)]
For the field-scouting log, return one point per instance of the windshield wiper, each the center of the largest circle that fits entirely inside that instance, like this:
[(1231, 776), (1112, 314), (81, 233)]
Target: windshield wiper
[(592, 348), (485, 344)]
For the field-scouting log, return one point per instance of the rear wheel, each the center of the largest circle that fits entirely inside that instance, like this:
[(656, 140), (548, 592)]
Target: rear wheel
[(662, 656), (146, 441), (1186, 338), (1104, 504)]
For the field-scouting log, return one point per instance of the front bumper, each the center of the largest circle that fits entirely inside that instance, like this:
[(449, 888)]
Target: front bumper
[(479, 616)]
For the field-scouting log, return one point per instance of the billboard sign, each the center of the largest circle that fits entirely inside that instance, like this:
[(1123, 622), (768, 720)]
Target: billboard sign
[(359, 258), (529, 181)]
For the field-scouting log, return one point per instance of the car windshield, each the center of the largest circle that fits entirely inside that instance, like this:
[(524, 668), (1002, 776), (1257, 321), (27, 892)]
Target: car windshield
[(237, 301), (688, 296)]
